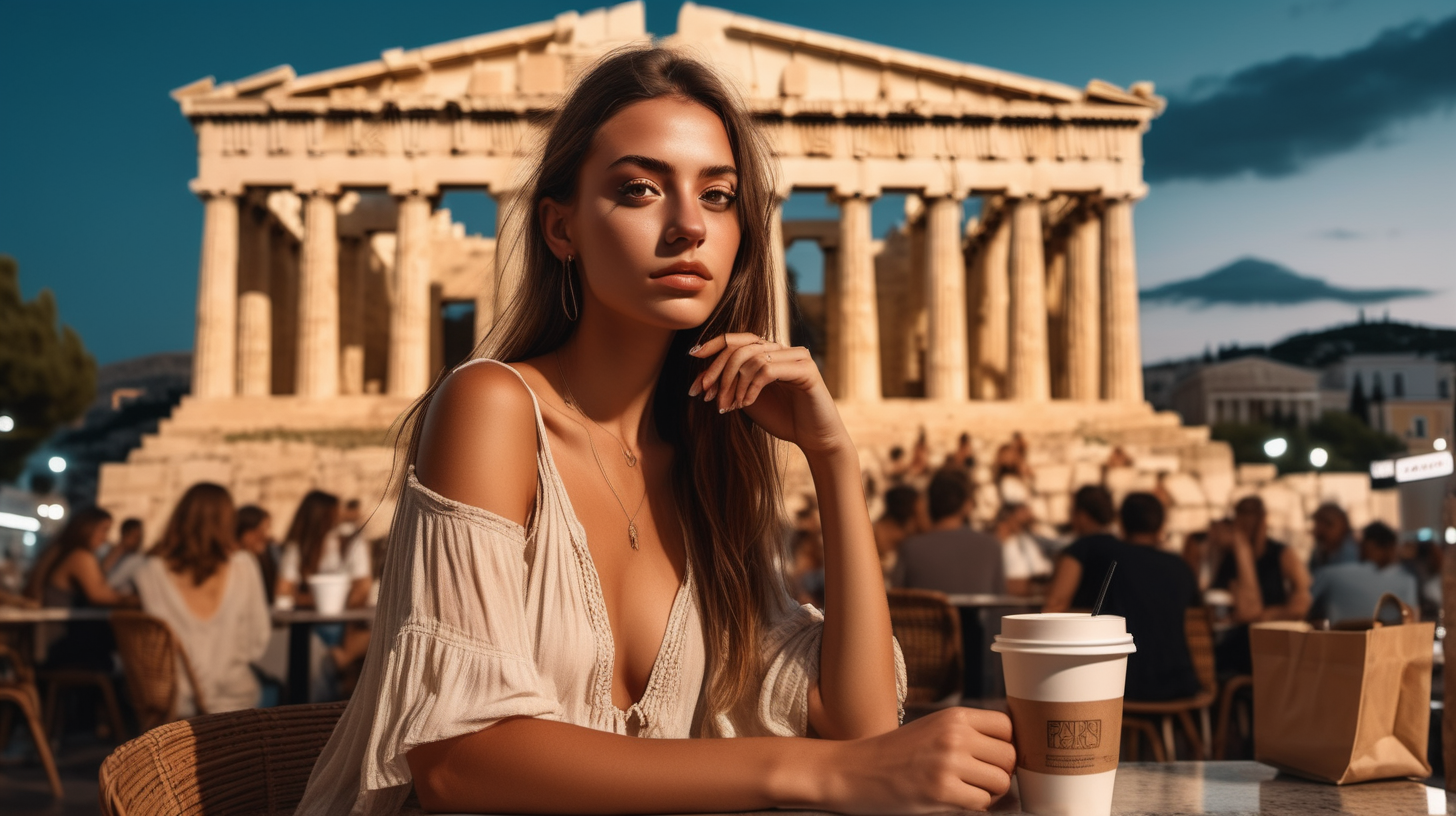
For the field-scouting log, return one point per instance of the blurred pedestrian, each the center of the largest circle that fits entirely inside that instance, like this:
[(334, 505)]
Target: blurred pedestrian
[(1334, 540), (950, 557), (1268, 580), (1350, 591)]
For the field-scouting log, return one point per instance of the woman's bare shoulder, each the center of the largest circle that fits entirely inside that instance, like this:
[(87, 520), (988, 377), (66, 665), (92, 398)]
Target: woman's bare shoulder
[(478, 441)]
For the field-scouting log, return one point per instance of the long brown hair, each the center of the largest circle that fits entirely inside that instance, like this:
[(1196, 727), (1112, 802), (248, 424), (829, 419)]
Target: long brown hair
[(316, 516), (200, 534), (76, 535), (726, 479)]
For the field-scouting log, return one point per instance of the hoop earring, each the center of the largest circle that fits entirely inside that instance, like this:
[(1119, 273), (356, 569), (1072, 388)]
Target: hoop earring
[(568, 292)]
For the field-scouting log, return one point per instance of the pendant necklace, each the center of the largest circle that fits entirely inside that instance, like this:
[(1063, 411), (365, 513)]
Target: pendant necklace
[(631, 460)]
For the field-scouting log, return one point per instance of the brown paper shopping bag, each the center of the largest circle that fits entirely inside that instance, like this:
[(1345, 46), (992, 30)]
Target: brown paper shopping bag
[(1343, 706)]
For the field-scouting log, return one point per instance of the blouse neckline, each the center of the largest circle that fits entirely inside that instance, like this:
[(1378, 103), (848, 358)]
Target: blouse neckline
[(667, 663)]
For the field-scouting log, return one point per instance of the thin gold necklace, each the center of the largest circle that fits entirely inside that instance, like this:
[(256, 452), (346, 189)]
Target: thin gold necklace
[(631, 460)]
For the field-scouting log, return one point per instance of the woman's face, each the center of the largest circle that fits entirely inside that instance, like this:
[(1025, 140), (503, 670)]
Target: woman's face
[(653, 227), (99, 534)]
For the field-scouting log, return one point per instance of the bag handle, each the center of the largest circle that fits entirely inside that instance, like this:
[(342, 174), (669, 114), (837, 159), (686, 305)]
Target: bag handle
[(1407, 615)]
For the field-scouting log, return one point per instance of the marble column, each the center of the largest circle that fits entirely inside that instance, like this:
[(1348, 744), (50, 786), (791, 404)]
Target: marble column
[(510, 252), (317, 374), (1122, 367), (779, 273), (992, 302), (1026, 371), (409, 314), (858, 345), (214, 356), (946, 374), (1084, 308), (353, 269), (255, 309)]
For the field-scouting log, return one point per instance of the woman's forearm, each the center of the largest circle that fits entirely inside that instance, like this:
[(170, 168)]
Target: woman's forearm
[(857, 661), (539, 766)]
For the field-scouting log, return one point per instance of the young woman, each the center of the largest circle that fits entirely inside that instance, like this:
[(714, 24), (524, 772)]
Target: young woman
[(316, 544), (69, 574), (210, 591), (587, 545), (255, 535)]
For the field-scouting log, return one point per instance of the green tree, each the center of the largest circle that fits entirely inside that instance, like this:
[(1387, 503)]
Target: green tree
[(47, 378), (1350, 443)]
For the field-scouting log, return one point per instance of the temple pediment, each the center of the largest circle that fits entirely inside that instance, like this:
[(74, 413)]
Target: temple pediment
[(780, 68)]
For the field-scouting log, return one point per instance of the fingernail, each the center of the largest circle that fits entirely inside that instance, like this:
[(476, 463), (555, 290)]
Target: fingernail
[(695, 390), (722, 410), (708, 397), (694, 349)]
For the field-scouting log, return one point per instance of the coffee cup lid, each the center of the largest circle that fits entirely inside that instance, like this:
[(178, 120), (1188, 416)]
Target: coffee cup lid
[(1063, 627)]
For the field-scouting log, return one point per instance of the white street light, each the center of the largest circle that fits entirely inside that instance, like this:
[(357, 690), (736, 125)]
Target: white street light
[(44, 511), (58, 464), (1319, 457), (1451, 535), (1439, 444), (1276, 447), (7, 423), (29, 539), (58, 512)]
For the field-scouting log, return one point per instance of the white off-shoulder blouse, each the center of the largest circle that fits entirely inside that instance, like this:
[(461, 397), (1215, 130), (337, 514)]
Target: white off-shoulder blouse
[(480, 619)]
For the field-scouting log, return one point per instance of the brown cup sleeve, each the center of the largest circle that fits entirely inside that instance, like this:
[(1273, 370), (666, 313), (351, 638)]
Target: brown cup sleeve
[(1066, 739)]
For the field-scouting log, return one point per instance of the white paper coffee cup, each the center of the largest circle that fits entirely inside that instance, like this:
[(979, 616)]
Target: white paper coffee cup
[(330, 592), (1065, 674)]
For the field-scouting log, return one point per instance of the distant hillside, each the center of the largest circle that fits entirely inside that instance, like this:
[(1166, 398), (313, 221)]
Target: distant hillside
[(1319, 349), (1252, 281)]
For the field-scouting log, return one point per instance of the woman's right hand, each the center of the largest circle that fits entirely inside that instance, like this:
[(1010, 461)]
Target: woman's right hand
[(955, 759)]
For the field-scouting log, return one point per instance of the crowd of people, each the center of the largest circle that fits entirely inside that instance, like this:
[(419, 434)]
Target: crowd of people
[(929, 537), (212, 576)]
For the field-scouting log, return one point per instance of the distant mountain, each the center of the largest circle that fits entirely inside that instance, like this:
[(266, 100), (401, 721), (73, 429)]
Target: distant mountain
[(1252, 281)]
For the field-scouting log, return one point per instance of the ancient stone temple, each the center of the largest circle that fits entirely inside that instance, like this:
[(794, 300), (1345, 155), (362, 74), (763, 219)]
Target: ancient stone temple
[(328, 269)]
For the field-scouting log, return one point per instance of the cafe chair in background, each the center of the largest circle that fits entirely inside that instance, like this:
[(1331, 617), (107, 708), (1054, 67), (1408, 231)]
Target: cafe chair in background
[(17, 686), (254, 762), (1199, 631), (929, 631), (1226, 704), (152, 658), (58, 681)]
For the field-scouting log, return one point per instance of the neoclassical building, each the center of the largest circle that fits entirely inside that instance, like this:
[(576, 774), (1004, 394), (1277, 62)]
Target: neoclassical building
[(332, 287)]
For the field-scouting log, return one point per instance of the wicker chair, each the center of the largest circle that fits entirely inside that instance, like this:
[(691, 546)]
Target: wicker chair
[(253, 762), (150, 654), (1200, 646), (20, 690), (929, 631)]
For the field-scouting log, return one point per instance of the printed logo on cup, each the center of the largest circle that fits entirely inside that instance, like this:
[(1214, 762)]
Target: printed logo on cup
[(1074, 733), (1074, 741)]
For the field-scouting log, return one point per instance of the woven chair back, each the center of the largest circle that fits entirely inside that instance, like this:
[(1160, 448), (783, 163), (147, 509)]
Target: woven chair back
[(152, 657), (929, 631), (1200, 645), (253, 762)]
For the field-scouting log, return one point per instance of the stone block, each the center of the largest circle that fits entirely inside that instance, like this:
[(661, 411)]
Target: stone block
[(1085, 473), (1187, 519), (1053, 479), (1157, 463), (1218, 488), (1185, 490), (1256, 474), (1058, 508)]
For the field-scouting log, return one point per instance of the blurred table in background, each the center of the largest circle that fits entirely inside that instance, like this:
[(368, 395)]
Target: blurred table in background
[(980, 624)]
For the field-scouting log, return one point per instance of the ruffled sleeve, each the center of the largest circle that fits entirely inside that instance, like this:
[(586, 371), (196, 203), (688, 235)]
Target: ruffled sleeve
[(791, 649), (452, 652)]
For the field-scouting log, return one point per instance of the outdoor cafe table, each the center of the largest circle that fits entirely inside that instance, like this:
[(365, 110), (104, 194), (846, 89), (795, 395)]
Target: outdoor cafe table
[(300, 623), (1240, 788)]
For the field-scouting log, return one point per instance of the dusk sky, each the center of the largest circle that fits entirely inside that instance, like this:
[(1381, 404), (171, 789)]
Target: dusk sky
[(1315, 134)]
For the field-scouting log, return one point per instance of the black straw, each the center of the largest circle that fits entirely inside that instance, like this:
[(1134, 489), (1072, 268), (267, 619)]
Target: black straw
[(1102, 596)]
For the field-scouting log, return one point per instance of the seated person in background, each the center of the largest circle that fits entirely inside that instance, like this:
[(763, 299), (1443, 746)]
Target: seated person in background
[(951, 557), (1267, 579), (125, 557), (1152, 589), (1334, 541), (1021, 554), (1345, 592), (315, 545), (963, 457), (255, 534), (68, 574), (895, 471), (901, 519), (1092, 514), (210, 592)]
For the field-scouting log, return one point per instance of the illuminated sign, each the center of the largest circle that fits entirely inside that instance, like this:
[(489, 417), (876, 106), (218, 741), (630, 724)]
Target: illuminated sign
[(1426, 466), (1382, 469)]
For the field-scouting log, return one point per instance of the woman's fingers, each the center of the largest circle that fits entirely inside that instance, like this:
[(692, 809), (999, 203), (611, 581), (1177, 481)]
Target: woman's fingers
[(709, 381), (785, 365), (732, 371)]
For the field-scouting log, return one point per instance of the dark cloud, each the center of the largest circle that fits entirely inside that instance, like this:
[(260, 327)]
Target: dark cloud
[(1257, 282), (1340, 234), (1274, 118)]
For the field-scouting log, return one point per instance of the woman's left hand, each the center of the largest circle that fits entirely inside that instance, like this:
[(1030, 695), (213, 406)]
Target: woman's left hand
[(779, 388)]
